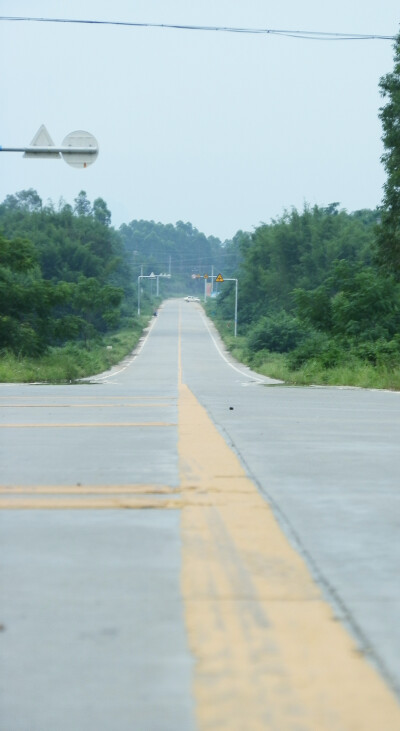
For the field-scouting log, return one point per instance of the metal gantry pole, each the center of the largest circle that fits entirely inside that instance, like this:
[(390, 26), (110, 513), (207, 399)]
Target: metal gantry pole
[(150, 276), (143, 276), (236, 305), (138, 296), (236, 300), (231, 279)]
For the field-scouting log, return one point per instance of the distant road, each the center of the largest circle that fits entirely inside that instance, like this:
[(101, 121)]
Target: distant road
[(188, 545)]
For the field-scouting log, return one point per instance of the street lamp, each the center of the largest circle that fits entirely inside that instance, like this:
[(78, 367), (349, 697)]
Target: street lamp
[(143, 276)]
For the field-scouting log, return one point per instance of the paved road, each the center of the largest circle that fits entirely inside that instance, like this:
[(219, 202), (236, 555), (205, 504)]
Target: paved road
[(188, 545)]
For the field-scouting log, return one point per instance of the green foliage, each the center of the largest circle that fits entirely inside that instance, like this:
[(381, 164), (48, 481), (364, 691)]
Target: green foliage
[(279, 332), (24, 298), (388, 231), (317, 347), (72, 361), (308, 287), (63, 275), (352, 303), (297, 251)]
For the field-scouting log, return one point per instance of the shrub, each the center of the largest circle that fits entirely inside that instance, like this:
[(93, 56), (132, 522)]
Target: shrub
[(278, 333), (318, 347)]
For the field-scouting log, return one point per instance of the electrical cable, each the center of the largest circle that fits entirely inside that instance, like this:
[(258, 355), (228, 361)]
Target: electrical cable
[(304, 35)]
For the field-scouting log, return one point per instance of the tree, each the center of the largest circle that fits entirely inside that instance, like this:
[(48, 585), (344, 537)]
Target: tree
[(388, 232), (26, 200), (82, 204), (64, 275), (101, 212), (25, 299)]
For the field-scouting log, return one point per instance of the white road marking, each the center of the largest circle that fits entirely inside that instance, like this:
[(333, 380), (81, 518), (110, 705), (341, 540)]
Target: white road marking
[(255, 379), (104, 376)]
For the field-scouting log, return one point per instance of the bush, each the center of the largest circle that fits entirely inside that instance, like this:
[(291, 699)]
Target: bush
[(278, 333), (380, 352), (318, 347)]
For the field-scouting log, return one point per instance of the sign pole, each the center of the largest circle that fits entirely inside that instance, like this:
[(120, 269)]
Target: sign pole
[(220, 278), (79, 149)]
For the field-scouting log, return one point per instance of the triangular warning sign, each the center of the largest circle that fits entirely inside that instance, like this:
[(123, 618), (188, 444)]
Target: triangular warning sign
[(219, 278), (42, 139)]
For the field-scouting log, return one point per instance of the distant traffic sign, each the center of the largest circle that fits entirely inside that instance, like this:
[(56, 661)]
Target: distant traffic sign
[(219, 278)]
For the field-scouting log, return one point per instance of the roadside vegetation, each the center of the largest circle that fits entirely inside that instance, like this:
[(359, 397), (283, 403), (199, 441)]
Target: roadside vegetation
[(319, 289), (340, 327), (319, 295), (68, 305), (71, 362)]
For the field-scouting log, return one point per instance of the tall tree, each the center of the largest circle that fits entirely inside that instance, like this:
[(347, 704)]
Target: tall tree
[(101, 212), (82, 204), (388, 232)]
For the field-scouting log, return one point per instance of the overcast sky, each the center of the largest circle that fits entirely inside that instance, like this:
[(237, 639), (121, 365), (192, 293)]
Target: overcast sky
[(222, 130)]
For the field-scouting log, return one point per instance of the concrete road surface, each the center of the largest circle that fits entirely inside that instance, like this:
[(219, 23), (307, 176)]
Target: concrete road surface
[(188, 545)]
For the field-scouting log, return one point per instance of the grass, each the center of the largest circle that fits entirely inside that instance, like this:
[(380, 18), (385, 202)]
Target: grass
[(354, 372), (73, 361)]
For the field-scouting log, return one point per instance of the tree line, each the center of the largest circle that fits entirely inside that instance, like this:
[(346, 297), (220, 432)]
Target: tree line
[(311, 286)]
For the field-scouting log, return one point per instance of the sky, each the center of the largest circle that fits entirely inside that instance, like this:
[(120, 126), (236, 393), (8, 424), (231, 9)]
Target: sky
[(225, 130)]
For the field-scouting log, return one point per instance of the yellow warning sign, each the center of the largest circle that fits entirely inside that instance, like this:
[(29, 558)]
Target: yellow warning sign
[(206, 276), (219, 278)]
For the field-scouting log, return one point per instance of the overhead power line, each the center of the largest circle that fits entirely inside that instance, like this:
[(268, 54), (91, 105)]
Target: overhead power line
[(304, 34)]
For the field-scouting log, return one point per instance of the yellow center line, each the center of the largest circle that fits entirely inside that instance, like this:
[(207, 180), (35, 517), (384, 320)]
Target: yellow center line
[(89, 406), (89, 424), (86, 489), (86, 397), (89, 503), (269, 651), (94, 497)]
